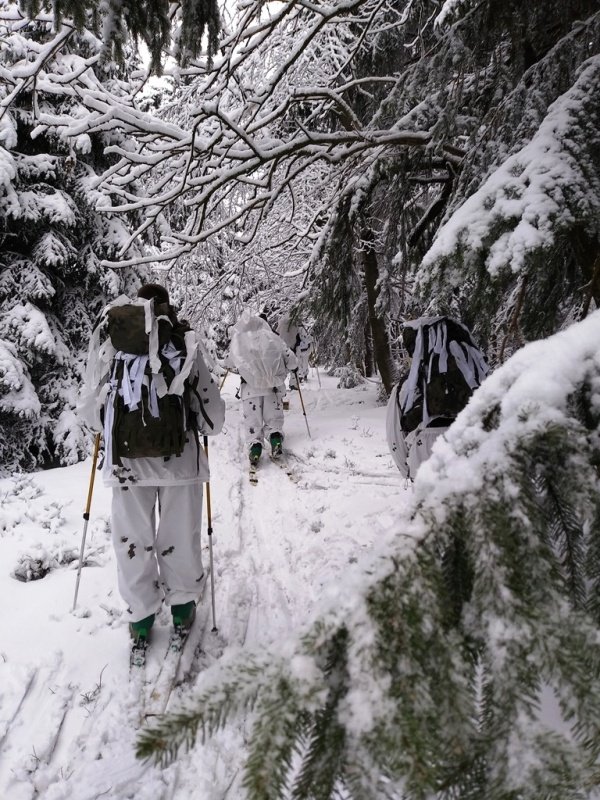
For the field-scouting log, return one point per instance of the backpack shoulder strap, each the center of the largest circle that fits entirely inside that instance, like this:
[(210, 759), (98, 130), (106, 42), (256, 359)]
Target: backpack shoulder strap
[(193, 385), (191, 348)]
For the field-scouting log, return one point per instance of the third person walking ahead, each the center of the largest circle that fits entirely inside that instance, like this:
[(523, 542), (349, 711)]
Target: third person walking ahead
[(263, 360)]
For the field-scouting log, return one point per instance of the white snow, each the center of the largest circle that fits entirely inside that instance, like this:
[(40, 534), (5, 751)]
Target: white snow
[(535, 193), (450, 9), (17, 393), (32, 328), (56, 207), (8, 173), (68, 713)]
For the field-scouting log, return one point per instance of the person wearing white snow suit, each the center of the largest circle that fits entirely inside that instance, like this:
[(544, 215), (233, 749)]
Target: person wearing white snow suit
[(299, 340), (149, 391), (263, 360), (446, 368)]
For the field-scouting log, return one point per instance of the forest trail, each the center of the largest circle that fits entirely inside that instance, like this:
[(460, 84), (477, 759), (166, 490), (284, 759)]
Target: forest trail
[(69, 714)]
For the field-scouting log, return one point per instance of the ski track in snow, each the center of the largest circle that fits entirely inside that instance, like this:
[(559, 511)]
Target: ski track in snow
[(69, 711)]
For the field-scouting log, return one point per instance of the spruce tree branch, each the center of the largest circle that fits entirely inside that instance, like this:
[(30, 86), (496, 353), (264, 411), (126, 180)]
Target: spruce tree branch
[(30, 74), (436, 729), (436, 208)]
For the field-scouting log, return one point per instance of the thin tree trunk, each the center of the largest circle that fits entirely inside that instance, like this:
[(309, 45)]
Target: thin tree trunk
[(381, 345), (369, 365)]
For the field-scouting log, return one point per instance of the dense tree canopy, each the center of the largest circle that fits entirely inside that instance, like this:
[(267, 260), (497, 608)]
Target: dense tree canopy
[(349, 147), (164, 27)]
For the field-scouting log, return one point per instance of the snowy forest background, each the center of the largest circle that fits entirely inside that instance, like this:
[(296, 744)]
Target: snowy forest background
[(362, 162)]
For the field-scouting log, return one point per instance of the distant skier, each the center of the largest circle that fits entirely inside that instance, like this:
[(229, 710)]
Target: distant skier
[(150, 392), (445, 370), (263, 361), (299, 340)]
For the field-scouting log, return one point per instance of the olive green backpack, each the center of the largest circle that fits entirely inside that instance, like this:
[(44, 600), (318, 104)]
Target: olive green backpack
[(159, 424)]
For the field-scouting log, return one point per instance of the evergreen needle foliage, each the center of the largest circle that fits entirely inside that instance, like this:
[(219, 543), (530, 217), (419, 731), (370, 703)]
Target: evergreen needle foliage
[(55, 229), (152, 21), (430, 676)]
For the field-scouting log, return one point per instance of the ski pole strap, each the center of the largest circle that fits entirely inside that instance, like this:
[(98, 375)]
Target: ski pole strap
[(207, 419)]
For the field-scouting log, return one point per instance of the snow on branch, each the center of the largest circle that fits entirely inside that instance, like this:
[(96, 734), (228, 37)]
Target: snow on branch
[(8, 172), (30, 325), (450, 10), (255, 121), (17, 394), (53, 207), (548, 185), (24, 76)]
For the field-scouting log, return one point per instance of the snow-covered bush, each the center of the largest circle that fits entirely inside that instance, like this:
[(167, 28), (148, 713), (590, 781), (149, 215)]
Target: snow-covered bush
[(37, 564), (17, 507), (348, 377), (44, 558), (424, 674)]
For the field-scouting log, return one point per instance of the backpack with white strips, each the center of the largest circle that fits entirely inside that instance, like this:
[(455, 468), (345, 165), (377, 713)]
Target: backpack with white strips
[(148, 411), (446, 369)]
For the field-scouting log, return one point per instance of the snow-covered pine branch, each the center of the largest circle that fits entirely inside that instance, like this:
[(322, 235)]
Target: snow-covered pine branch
[(431, 672), (192, 23), (533, 198)]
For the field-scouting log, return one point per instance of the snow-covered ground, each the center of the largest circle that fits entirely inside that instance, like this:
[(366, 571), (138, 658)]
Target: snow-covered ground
[(69, 713)]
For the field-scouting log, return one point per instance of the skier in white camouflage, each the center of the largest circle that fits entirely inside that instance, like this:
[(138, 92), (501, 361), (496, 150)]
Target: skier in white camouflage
[(263, 361), (153, 461)]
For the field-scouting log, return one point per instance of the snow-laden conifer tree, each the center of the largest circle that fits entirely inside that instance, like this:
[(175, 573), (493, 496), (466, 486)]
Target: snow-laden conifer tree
[(462, 659), (181, 29), (518, 251), (56, 229)]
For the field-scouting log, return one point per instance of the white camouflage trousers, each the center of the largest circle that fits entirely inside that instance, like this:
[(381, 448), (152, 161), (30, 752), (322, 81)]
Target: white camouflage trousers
[(419, 443), (157, 562), (263, 415)]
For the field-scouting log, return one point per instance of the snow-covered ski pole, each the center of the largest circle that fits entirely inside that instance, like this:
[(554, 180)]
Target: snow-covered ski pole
[(210, 545), (224, 379), (86, 516), (302, 404)]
